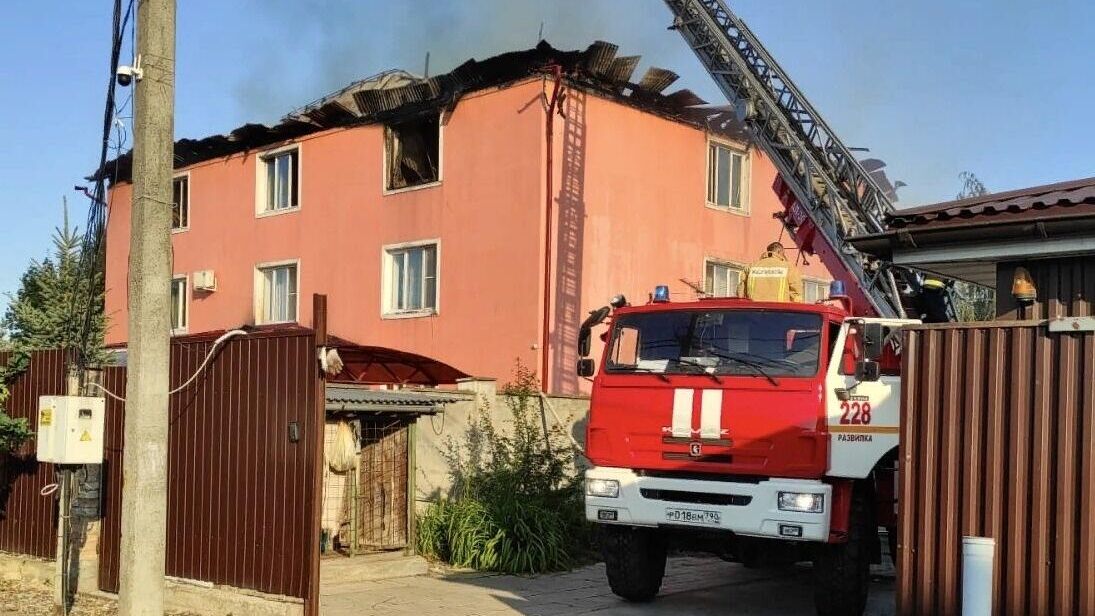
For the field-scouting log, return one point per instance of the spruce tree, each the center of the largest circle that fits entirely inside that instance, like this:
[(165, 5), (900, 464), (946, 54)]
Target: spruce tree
[(48, 311)]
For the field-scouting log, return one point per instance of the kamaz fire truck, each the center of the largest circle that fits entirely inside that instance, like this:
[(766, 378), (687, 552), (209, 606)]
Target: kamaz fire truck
[(758, 431)]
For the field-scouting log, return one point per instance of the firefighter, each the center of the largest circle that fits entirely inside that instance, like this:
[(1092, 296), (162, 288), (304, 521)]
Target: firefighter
[(772, 278)]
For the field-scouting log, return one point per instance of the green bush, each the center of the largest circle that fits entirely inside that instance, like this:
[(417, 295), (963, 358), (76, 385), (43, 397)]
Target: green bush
[(516, 505), (13, 432)]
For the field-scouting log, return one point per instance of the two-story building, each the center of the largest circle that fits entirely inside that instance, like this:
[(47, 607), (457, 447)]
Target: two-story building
[(421, 208)]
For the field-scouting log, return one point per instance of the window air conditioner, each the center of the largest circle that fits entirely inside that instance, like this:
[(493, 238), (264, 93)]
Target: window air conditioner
[(205, 281)]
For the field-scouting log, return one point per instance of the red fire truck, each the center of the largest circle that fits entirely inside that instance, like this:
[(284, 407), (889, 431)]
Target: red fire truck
[(759, 431)]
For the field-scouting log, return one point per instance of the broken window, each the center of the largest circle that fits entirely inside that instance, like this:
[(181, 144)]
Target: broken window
[(413, 149)]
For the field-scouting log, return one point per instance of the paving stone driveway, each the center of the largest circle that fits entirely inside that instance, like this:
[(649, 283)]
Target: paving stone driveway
[(692, 586)]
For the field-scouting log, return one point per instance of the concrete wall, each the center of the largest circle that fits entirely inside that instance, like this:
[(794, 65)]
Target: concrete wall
[(433, 478)]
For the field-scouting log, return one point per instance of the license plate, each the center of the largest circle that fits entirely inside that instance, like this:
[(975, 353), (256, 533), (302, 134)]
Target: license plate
[(692, 516)]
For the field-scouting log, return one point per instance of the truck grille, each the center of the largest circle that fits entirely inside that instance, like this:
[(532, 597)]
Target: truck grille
[(699, 498)]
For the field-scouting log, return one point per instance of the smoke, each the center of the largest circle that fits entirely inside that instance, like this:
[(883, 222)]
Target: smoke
[(312, 47)]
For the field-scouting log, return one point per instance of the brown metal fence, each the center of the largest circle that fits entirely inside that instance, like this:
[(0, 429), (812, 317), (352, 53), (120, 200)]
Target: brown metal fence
[(28, 520), (243, 453), (997, 440)]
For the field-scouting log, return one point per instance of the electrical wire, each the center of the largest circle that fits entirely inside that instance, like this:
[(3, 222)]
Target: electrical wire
[(208, 357), (90, 266), (106, 391), (219, 341)]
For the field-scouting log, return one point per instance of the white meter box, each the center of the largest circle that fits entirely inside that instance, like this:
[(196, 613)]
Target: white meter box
[(70, 429)]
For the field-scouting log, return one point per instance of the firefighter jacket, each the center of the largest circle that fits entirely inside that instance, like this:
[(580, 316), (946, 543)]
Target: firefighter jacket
[(773, 279)]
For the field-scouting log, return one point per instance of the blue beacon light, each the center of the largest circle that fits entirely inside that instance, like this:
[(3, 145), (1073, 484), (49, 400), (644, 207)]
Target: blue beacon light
[(836, 289), (661, 293)]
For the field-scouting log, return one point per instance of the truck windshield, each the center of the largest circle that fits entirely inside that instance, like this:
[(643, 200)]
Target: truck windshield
[(733, 342)]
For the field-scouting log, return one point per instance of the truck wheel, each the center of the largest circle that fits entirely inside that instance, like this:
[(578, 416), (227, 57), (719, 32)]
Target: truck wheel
[(842, 571), (635, 562)]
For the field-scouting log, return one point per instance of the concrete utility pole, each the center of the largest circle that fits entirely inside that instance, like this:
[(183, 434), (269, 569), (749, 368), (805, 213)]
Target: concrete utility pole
[(144, 491)]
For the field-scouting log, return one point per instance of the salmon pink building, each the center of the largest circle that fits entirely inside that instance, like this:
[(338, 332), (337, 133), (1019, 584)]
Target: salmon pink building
[(420, 207)]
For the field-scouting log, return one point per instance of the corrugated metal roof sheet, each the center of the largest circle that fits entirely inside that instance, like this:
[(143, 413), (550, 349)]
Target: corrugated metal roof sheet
[(1074, 198), (355, 398)]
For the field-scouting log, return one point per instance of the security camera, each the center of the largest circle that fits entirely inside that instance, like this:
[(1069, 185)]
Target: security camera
[(126, 75)]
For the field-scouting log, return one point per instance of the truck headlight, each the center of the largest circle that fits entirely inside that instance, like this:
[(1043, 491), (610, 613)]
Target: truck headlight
[(606, 488), (802, 502)]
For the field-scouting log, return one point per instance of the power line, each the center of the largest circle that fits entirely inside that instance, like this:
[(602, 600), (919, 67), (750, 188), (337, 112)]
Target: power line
[(91, 263)]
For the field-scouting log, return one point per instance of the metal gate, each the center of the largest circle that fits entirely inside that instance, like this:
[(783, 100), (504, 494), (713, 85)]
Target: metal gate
[(997, 440)]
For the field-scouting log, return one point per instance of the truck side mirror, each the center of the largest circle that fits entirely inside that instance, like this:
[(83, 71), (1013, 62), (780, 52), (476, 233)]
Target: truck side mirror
[(867, 370), (585, 332), (586, 367), (874, 338)]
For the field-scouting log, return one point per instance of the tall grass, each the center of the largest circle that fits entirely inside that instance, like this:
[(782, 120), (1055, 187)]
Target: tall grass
[(516, 505)]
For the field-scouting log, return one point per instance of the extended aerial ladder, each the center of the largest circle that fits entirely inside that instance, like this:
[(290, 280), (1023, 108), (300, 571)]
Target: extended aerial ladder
[(834, 197)]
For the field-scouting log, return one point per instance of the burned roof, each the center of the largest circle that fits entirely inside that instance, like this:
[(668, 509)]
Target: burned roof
[(398, 94), (1064, 199)]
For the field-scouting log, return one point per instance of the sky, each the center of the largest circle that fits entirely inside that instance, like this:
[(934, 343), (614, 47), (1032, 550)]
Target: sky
[(1001, 88)]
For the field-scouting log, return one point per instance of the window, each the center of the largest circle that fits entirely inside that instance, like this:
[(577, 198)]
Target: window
[(721, 279), (726, 187), (889, 363), (814, 291), (180, 203), (178, 305), (413, 152), (411, 279), (276, 293), (719, 342), (279, 181)]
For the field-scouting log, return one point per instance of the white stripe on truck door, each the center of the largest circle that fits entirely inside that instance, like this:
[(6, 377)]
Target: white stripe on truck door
[(682, 413), (711, 413)]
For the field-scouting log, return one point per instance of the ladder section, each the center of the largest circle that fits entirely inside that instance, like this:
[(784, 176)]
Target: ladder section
[(830, 186)]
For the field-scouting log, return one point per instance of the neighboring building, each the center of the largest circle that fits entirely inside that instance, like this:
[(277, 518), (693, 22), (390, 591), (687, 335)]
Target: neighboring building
[(1048, 231), (418, 207)]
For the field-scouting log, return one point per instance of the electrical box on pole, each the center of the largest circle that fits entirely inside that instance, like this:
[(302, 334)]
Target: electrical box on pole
[(70, 429)]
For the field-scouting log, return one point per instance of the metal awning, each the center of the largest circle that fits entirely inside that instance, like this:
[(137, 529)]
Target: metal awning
[(357, 399)]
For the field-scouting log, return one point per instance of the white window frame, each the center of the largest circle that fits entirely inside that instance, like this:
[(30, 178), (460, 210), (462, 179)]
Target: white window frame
[(734, 265), (262, 190), (387, 283), (441, 121), (259, 286), (185, 206), (185, 278), (823, 287), (746, 175)]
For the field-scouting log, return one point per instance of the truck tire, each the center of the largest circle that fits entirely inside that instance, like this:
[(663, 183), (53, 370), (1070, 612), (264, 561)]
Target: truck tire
[(634, 561), (842, 571)]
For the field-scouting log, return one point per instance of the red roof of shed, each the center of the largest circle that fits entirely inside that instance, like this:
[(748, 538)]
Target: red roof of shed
[(1060, 200)]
